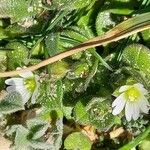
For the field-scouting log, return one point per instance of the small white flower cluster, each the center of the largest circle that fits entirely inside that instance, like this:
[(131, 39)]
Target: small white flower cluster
[(133, 98), (27, 85)]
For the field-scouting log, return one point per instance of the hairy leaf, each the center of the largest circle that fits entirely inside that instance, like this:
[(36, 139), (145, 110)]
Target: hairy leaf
[(77, 141), (11, 103), (138, 56)]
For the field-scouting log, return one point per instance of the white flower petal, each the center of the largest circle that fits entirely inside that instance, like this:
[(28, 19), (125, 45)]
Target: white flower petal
[(26, 74), (14, 81), (26, 97), (118, 100), (119, 107), (129, 111), (37, 78), (123, 88), (17, 84), (20, 88), (133, 107), (24, 93), (34, 96), (136, 111), (10, 89), (144, 105), (141, 88), (139, 85)]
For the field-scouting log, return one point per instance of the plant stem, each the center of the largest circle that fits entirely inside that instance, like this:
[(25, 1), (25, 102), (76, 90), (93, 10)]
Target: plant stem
[(137, 140)]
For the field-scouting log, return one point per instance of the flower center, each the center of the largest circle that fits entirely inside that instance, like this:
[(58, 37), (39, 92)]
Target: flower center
[(30, 84), (132, 94)]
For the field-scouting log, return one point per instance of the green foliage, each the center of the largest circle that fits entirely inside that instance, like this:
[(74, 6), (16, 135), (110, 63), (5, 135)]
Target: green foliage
[(125, 7), (145, 144), (77, 141), (18, 55), (137, 140), (70, 4), (30, 137), (52, 42), (3, 61), (59, 69), (11, 103), (78, 70), (104, 22), (20, 9), (100, 113), (145, 35), (51, 100), (51, 95), (81, 114), (136, 127), (77, 92), (138, 56), (37, 128)]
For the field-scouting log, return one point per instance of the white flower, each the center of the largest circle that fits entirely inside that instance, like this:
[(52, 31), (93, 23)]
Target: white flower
[(27, 85), (133, 98)]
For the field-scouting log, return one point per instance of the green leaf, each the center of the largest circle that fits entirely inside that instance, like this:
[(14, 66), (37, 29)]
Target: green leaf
[(2, 84), (78, 70), (49, 95), (81, 114), (21, 140), (67, 111), (11, 103), (138, 56), (3, 61), (56, 128), (40, 145), (145, 35), (57, 133), (84, 19), (104, 22), (51, 99), (18, 55), (70, 4), (59, 69), (75, 35), (124, 7), (145, 144), (93, 70), (2, 33), (38, 49), (37, 128), (24, 141), (51, 43), (99, 110), (17, 9), (77, 140)]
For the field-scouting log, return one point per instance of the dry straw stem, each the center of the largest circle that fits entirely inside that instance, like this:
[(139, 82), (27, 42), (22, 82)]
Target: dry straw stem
[(116, 133), (4, 143), (124, 29)]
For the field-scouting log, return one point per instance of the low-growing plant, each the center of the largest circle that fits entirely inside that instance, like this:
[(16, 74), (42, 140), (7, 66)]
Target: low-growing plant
[(74, 74)]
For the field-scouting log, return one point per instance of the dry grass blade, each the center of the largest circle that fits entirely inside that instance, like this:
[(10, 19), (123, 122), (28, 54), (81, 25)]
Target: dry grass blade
[(125, 29)]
